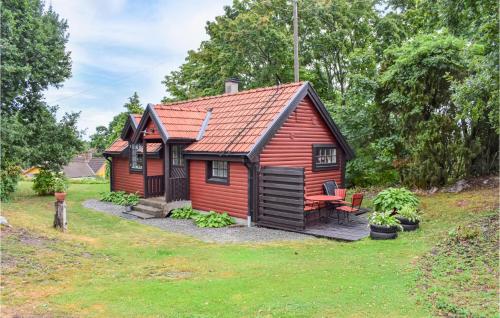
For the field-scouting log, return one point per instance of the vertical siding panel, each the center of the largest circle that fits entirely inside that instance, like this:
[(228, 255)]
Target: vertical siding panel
[(232, 198), (291, 146)]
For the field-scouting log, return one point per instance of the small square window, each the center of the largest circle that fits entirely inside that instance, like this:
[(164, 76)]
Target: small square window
[(324, 157), (218, 172)]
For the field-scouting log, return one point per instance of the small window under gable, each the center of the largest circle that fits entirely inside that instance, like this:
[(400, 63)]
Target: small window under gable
[(325, 157), (218, 172), (136, 157), (177, 156)]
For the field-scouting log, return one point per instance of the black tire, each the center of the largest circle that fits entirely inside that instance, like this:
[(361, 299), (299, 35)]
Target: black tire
[(383, 229), (404, 221), (383, 236), (409, 227)]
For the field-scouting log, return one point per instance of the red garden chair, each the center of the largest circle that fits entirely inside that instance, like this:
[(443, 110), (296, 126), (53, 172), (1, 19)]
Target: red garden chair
[(357, 199)]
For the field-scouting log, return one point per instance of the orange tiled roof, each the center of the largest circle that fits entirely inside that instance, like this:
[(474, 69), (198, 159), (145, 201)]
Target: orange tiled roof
[(181, 121), (237, 120), (119, 145), (137, 118)]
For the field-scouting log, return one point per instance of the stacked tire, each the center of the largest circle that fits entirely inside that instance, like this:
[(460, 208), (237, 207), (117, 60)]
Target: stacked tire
[(408, 225), (383, 232)]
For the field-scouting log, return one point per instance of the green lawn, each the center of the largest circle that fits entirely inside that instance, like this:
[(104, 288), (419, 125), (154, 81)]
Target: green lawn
[(105, 266)]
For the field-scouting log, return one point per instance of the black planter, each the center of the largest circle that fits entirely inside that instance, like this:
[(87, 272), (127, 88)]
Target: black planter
[(408, 225), (381, 232)]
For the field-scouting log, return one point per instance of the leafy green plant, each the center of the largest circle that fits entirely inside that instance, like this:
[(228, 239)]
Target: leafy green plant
[(60, 185), (384, 219), (410, 213), (214, 219), (120, 198), (186, 212), (395, 199), (44, 183)]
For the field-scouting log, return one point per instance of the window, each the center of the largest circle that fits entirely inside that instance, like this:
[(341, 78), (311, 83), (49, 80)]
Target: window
[(218, 172), (177, 156), (136, 157), (324, 157)]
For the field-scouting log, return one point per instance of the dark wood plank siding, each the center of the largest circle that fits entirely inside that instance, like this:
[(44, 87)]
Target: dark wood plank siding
[(291, 146), (231, 198), (281, 198)]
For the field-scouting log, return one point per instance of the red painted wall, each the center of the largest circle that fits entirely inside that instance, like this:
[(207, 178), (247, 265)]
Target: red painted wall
[(123, 180), (232, 198), (291, 146), (150, 127)]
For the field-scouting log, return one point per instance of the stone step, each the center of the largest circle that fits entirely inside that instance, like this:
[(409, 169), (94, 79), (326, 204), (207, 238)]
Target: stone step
[(155, 212), (140, 214), (153, 203)]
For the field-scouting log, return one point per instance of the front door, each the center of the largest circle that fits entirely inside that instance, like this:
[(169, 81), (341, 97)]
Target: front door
[(177, 181)]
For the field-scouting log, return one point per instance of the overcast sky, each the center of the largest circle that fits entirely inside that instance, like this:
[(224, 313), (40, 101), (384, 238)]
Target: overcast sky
[(121, 46)]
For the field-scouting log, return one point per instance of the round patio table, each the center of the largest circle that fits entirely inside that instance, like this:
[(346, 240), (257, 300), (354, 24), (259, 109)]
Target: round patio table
[(322, 198)]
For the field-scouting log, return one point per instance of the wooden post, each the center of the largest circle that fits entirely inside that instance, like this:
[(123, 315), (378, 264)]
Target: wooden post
[(60, 220)]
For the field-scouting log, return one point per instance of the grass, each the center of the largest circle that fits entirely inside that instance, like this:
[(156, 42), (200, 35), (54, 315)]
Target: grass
[(105, 266)]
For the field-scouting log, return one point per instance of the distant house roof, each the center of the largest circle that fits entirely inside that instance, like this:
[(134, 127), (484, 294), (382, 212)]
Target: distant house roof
[(236, 123), (96, 163), (78, 169)]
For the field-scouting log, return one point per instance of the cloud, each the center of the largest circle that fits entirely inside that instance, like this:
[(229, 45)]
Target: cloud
[(119, 46)]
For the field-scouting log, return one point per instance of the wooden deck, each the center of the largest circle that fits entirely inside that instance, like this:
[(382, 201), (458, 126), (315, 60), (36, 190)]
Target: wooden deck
[(354, 230)]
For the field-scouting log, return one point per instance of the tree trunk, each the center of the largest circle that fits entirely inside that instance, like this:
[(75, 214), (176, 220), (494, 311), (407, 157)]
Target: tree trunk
[(60, 216)]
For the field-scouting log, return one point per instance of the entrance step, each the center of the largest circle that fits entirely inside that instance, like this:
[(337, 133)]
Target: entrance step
[(154, 202), (147, 209), (175, 205), (140, 215)]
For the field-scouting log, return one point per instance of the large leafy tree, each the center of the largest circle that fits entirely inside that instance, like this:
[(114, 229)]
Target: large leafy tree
[(34, 54), (34, 57)]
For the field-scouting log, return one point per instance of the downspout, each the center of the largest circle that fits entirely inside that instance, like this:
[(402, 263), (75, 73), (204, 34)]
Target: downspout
[(251, 180), (110, 173)]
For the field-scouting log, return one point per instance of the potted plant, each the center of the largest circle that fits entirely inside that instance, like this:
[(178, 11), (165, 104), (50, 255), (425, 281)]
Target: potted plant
[(393, 199), (60, 187), (409, 218), (384, 226)]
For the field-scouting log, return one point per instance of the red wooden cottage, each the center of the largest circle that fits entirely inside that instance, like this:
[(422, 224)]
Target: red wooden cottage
[(254, 154)]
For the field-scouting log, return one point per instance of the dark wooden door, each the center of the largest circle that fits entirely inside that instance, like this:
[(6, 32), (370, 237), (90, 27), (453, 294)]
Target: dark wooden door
[(177, 181)]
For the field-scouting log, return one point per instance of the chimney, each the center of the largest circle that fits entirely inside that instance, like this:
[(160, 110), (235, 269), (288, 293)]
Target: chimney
[(231, 85)]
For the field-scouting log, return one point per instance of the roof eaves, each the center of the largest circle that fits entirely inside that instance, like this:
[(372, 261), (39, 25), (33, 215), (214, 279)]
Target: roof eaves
[(330, 123), (278, 122), (305, 90), (150, 112)]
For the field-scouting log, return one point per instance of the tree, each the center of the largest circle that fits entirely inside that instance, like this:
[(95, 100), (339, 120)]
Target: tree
[(34, 57), (440, 139), (99, 140), (34, 54), (115, 127)]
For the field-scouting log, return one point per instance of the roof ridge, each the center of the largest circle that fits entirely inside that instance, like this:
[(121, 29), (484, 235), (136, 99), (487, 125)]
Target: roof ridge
[(254, 90)]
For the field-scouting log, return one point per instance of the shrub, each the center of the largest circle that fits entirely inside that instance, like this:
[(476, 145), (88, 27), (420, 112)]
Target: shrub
[(186, 212), (410, 213), (214, 219), (120, 198), (8, 181), (395, 198), (44, 183), (384, 219)]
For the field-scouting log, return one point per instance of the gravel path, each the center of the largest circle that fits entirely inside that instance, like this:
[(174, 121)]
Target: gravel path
[(231, 234)]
